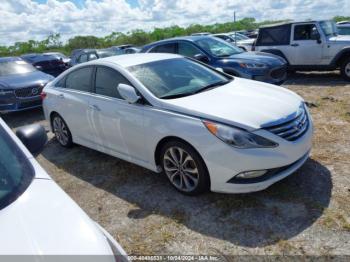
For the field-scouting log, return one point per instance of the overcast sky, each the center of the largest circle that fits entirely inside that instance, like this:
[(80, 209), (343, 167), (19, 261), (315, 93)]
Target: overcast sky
[(22, 20)]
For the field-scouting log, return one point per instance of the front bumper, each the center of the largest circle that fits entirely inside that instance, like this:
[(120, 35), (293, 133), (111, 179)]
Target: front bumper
[(11, 103), (224, 162), (276, 75)]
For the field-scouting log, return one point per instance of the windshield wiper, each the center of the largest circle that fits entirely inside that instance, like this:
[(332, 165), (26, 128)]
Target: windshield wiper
[(210, 86), (175, 95)]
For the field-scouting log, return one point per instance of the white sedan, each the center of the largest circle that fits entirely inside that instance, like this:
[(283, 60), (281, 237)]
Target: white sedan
[(37, 218), (200, 127)]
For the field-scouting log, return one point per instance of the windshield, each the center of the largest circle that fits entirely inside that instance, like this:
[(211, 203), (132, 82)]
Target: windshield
[(329, 28), (15, 68), (16, 173), (217, 47), (176, 77)]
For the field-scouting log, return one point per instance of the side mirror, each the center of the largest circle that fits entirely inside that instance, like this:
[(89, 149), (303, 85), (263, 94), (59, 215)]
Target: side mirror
[(128, 93), (202, 58), (34, 137), (319, 41), (39, 67)]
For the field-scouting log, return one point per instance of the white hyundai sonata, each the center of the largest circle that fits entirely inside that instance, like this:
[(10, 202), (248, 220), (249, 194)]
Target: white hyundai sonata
[(37, 217), (200, 127)]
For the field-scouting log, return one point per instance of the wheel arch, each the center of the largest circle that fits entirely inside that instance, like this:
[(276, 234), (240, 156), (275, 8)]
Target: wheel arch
[(167, 139), (341, 56)]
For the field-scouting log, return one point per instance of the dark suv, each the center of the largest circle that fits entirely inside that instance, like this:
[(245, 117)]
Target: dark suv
[(225, 57)]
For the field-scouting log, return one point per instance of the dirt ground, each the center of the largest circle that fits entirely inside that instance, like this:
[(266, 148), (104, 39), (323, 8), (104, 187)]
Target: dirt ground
[(307, 213)]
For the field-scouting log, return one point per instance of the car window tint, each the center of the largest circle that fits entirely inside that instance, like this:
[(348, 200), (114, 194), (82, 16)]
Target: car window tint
[(306, 32), (166, 48), (107, 81), (80, 79), (187, 49), (278, 35), (344, 30), (83, 58), (61, 83)]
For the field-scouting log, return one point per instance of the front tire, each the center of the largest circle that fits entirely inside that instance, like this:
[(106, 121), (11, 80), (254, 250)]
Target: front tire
[(345, 69), (184, 168), (61, 131)]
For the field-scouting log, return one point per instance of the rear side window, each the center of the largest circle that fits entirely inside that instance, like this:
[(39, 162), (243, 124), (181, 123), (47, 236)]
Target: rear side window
[(107, 81), (187, 49), (92, 56), (80, 79), (166, 48), (278, 35), (306, 32)]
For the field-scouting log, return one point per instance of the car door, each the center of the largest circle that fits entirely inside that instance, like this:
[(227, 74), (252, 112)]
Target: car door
[(306, 46), (72, 103), (117, 124)]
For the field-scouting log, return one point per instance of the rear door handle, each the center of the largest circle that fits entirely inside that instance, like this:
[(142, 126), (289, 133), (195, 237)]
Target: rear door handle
[(294, 44), (95, 107)]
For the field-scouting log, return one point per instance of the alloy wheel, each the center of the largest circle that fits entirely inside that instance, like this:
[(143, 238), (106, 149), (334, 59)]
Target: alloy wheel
[(61, 131), (181, 169)]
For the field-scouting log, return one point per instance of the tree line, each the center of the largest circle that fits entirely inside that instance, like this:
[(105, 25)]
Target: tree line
[(136, 37)]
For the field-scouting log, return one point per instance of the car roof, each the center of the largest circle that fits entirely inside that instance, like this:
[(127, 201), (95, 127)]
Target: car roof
[(135, 59), (191, 38), (292, 23), (10, 59)]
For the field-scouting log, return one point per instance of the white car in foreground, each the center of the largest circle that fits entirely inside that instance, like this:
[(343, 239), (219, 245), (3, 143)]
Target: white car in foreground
[(37, 217), (204, 129)]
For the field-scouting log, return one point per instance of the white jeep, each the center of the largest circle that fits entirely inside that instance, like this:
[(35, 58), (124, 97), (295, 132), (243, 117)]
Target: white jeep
[(311, 45)]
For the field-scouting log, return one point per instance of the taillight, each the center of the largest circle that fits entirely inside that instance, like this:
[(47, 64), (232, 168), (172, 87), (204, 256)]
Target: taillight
[(43, 95)]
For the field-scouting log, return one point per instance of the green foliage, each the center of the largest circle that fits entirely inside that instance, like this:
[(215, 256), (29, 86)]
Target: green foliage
[(137, 37)]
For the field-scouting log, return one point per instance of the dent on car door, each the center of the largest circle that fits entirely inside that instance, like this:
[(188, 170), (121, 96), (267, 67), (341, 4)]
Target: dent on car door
[(118, 125), (73, 104)]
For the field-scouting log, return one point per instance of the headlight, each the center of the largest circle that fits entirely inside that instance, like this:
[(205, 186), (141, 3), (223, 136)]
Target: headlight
[(253, 65), (237, 137)]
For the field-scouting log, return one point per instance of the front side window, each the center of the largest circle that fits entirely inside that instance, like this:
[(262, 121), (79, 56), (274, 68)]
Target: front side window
[(83, 58), (80, 79), (177, 77), (15, 68), (166, 48), (16, 173), (107, 81), (217, 47), (187, 49), (306, 32)]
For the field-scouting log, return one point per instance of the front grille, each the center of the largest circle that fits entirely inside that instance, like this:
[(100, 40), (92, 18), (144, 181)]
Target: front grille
[(278, 73), (292, 129), (28, 91)]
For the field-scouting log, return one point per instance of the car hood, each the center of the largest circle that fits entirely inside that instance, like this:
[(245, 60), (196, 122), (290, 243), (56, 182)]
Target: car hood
[(45, 221), (24, 80), (340, 38), (243, 103), (260, 57)]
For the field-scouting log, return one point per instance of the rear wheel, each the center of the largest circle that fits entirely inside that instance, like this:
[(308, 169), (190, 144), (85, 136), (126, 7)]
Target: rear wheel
[(61, 131), (184, 168), (345, 69)]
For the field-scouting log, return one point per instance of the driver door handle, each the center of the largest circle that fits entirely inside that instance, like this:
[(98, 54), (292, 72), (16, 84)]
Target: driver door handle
[(295, 44), (61, 96), (95, 107)]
